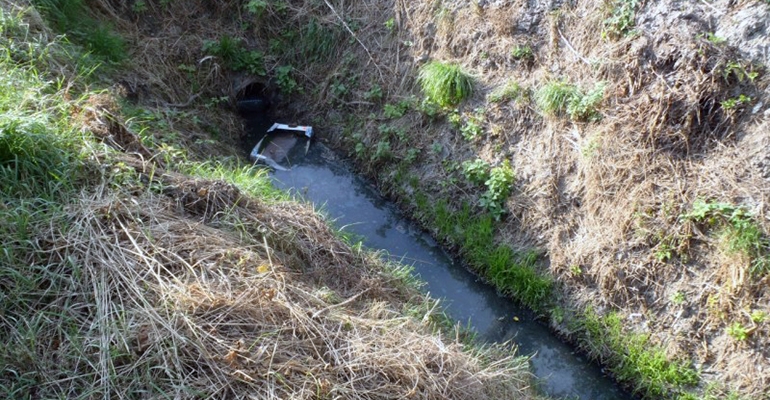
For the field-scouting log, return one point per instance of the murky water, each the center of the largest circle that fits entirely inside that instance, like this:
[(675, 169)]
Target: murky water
[(319, 177)]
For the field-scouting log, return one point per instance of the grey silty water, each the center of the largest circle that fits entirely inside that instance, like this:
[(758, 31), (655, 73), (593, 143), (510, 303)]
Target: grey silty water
[(321, 178)]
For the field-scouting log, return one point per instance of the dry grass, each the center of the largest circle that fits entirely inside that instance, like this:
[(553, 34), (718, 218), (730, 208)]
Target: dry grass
[(163, 298)]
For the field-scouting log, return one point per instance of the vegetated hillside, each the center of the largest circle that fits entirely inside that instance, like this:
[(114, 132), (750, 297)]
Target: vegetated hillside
[(626, 141), (133, 267)]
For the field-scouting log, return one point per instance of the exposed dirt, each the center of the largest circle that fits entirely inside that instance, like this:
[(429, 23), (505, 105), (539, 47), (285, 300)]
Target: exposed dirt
[(603, 199)]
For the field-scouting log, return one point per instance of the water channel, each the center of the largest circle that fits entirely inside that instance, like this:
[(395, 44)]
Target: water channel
[(319, 177)]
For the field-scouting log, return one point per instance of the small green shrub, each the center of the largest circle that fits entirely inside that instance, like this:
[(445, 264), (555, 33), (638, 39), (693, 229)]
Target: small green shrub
[(473, 126), (235, 56), (735, 102), (285, 81), (739, 232), (499, 187), (522, 52), (619, 20), (738, 331), (445, 84), (319, 42), (476, 171), (583, 107)]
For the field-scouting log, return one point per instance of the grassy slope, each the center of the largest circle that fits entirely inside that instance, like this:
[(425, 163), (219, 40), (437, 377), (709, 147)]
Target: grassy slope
[(134, 268)]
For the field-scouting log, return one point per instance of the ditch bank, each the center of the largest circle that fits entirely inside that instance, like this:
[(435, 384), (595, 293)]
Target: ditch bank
[(629, 139)]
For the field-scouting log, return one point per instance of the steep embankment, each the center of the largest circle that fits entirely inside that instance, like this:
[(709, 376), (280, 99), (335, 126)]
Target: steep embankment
[(624, 141), (134, 267)]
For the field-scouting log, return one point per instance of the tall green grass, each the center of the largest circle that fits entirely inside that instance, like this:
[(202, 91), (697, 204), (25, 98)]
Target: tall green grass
[(72, 17), (445, 84)]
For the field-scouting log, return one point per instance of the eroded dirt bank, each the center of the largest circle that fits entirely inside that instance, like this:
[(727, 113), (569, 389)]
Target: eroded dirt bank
[(637, 133)]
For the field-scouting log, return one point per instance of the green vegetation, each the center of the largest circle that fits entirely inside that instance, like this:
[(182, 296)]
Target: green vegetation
[(558, 97), (735, 102), (619, 20), (473, 128), (632, 357), (738, 232), (522, 52), (72, 17), (511, 91), (476, 171), (235, 56), (738, 332), (499, 187), (445, 84), (285, 81), (513, 272)]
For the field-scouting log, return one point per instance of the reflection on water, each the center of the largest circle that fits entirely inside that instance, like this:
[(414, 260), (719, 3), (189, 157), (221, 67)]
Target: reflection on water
[(320, 178)]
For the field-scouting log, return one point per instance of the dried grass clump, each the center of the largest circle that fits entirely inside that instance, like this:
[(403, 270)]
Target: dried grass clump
[(260, 301)]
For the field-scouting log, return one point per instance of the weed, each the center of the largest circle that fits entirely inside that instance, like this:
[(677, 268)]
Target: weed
[(583, 107), (499, 186), (738, 331), (739, 232), (476, 171), (390, 24), (256, 7), (445, 84), (575, 270), (436, 148), (619, 18), (664, 251), (285, 81), (557, 97), (396, 110), (738, 71), (235, 56), (678, 298), (382, 151), (714, 39), (554, 96), (735, 102), (758, 316), (522, 52), (472, 128), (511, 91), (374, 94)]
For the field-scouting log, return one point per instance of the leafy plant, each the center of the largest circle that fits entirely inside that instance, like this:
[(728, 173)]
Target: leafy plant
[(738, 231), (396, 110), (284, 79), (235, 56), (473, 128), (738, 331), (445, 84), (735, 102), (476, 171), (499, 187), (583, 107), (619, 20), (374, 94), (522, 52), (737, 70), (390, 24)]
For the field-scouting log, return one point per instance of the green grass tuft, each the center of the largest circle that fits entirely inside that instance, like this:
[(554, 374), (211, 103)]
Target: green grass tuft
[(445, 84), (561, 97)]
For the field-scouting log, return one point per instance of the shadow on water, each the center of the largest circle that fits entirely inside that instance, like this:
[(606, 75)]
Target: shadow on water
[(321, 178)]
